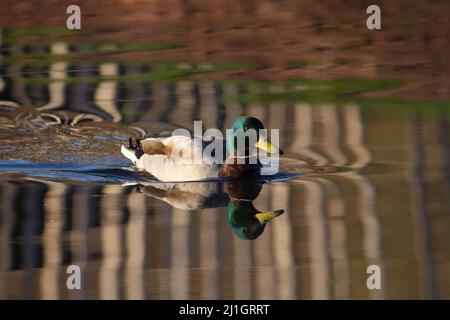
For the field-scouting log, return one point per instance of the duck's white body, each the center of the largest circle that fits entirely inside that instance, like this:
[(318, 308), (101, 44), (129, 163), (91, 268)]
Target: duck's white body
[(176, 158)]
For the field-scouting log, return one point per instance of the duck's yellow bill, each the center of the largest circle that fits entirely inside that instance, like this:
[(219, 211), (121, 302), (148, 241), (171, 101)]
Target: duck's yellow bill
[(268, 147), (264, 217)]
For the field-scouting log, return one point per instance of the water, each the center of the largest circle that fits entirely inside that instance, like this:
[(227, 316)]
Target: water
[(364, 181)]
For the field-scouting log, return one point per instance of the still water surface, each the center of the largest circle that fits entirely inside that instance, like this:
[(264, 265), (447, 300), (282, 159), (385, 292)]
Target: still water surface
[(360, 184)]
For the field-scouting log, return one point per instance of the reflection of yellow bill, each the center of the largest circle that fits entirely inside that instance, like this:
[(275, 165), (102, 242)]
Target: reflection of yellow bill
[(267, 146), (264, 217)]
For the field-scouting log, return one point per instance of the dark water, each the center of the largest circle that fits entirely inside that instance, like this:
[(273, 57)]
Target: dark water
[(364, 181)]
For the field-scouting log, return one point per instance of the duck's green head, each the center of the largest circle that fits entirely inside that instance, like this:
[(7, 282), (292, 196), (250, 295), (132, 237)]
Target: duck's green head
[(247, 222), (246, 134)]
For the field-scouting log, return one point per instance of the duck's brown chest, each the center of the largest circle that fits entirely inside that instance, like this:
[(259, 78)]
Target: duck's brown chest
[(233, 168)]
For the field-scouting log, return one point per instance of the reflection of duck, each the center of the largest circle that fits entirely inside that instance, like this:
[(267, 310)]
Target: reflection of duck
[(175, 158), (245, 220), (187, 196)]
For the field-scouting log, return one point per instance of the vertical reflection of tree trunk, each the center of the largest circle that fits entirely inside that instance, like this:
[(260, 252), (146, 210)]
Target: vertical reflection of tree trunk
[(79, 239), (418, 207), (282, 244), (8, 191), (2, 82), (434, 176), (135, 95), (265, 285), (444, 133), (158, 249), (303, 139), (58, 75), (208, 104), (15, 74), (331, 142), (183, 114), (80, 93), (135, 233), (224, 256), (371, 226), (36, 91), (112, 251), (208, 254), (52, 240), (355, 136), (335, 211), (256, 109), (168, 228), (33, 225), (159, 102), (442, 257), (366, 192), (278, 118), (106, 91), (242, 264), (179, 272), (317, 239), (233, 108)]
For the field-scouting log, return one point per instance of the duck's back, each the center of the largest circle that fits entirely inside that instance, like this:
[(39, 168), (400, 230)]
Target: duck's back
[(176, 158)]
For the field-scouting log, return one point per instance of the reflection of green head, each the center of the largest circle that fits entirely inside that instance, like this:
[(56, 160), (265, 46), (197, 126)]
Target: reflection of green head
[(247, 222)]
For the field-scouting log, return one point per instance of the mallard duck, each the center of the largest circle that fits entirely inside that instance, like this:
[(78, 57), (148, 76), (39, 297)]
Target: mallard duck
[(175, 158)]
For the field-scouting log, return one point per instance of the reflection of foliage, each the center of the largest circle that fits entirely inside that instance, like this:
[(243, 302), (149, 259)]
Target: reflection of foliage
[(161, 71), (296, 64), (90, 50), (422, 106), (337, 92), (311, 90), (15, 34)]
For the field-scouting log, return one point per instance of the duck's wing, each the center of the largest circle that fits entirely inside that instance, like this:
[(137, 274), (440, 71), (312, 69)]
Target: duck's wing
[(182, 147), (175, 158), (153, 146)]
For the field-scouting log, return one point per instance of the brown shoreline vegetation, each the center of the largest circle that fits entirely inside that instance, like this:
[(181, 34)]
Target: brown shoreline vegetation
[(282, 39)]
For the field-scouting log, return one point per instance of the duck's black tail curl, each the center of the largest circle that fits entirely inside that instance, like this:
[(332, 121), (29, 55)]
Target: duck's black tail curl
[(136, 147)]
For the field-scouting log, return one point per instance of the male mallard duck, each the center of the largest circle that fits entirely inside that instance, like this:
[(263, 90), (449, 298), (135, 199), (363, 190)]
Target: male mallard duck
[(176, 158)]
